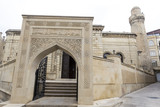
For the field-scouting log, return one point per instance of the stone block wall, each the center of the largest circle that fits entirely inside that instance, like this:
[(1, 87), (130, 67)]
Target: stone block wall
[(124, 43), (134, 79), (2, 42), (6, 78), (11, 45), (54, 65), (106, 77), (113, 79)]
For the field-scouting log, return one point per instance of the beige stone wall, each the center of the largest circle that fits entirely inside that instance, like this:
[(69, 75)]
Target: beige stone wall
[(10, 52), (134, 79), (105, 79), (54, 65), (11, 45), (123, 43), (6, 78), (2, 43), (120, 42), (113, 79), (97, 40)]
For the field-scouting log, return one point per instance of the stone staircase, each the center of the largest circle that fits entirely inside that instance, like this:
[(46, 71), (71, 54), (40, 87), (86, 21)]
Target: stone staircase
[(60, 89)]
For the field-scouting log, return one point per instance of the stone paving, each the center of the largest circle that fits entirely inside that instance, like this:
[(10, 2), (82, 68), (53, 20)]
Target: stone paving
[(53, 102), (148, 96)]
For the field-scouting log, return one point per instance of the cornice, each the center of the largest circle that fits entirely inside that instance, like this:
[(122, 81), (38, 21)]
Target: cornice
[(57, 17), (118, 35), (98, 27)]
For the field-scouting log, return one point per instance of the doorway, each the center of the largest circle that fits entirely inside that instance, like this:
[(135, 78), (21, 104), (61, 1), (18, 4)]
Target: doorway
[(68, 67)]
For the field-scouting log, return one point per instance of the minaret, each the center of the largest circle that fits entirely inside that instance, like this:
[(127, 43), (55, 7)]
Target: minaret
[(136, 21)]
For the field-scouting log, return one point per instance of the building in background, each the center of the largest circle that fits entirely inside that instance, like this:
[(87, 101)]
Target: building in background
[(11, 44), (154, 46)]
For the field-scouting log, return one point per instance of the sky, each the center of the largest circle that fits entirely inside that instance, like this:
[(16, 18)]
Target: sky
[(113, 14)]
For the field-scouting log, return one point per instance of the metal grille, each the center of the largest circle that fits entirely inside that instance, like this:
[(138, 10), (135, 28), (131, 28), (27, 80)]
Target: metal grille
[(40, 79)]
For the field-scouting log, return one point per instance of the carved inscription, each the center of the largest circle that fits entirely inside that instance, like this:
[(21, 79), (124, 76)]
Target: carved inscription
[(57, 32)]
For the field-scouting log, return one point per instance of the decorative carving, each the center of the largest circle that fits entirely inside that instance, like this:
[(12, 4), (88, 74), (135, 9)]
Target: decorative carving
[(57, 32), (38, 44)]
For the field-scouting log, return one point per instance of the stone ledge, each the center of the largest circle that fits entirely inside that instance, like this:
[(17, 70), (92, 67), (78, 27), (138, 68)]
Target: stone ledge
[(103, 59)]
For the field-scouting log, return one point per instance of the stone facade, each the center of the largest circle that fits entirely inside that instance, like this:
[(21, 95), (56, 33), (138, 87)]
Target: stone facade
[(110, 64), (2, 43), (153, 38), (11, 44), (124, 43)]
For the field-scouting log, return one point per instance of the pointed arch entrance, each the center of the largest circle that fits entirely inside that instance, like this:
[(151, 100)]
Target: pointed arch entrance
[(42, 35), (68, 73)]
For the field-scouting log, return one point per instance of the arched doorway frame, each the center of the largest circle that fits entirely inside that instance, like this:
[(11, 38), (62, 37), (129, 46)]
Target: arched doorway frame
[(33, 64), (39, 34)]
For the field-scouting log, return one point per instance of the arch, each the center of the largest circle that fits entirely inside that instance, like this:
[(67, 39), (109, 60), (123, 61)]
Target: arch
[(121, 56), (151, 43), (106, 53), (42, 35), (36, 59)]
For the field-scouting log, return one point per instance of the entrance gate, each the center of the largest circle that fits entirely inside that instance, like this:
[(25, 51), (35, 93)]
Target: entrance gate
[(41, 35), (40, 79)]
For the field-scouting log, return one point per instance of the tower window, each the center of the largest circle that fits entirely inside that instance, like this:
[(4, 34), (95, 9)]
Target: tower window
[(152, 53), (151, 43)]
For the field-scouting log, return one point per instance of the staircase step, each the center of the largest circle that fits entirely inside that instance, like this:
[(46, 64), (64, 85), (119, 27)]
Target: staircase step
[(60, 85), (60, 91), (60, 88), (59, 95)]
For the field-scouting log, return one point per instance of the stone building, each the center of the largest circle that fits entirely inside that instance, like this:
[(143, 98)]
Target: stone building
[(87, 62), (153, 38), (154, 47), (11, 44)]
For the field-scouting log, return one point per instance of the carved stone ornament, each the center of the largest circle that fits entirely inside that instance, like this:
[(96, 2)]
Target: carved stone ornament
[(38, 44), (57, 32)]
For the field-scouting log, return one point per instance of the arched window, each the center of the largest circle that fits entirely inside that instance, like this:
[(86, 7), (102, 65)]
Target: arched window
[(106, 54), (151, 43), (154, 63), (152, 53), (121, 56)]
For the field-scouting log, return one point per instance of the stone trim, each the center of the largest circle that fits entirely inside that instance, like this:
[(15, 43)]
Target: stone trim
[(118, 35), (133, 67), (7, 63), (57, 17), (4, 91), (103, 59)]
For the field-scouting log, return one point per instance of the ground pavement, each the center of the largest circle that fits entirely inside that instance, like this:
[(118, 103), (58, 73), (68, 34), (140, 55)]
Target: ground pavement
[(148, 96)]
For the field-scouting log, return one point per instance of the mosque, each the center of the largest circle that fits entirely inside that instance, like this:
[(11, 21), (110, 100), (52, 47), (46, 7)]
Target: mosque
[(68, 56)]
